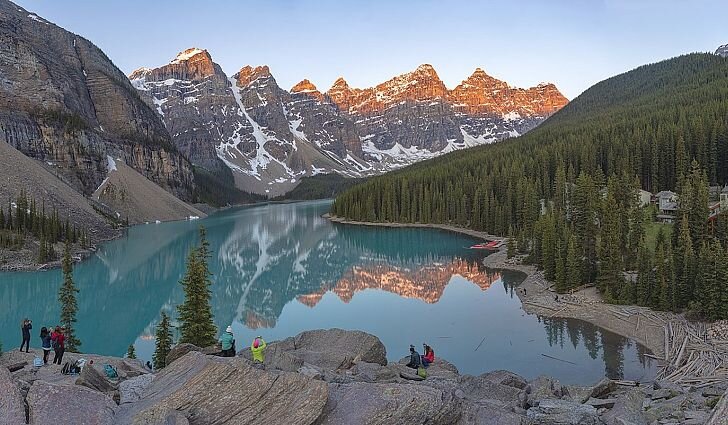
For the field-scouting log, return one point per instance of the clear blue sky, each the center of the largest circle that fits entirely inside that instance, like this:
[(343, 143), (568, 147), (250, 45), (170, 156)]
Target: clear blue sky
[(571, 43)]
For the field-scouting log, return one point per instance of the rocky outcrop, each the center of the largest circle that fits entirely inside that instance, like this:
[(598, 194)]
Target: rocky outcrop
[(11, 401), (64, 102), (204, 389), (722, 51), (68, 405), (212, 390)]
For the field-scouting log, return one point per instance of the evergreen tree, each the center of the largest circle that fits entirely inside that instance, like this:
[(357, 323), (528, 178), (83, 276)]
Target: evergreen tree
[(511, 247), (643, 287), (195, 314), (162, 343), (131, 352), (610, 279), (67, 298), (684, 264), (573, 264)]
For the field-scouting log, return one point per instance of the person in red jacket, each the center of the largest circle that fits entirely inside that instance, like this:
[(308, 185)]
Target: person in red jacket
[(429, 356), (58, 342)]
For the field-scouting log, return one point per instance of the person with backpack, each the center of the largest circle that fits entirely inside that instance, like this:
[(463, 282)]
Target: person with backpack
[(258, 349), (58, 342), (45, 343), (26, 326), (227, 342)]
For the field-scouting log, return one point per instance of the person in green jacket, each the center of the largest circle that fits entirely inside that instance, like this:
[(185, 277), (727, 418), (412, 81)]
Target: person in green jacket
[(258, 349), (227, 341)]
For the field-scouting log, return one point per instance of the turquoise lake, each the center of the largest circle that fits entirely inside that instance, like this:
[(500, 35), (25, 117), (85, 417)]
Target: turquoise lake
[(280, 269)]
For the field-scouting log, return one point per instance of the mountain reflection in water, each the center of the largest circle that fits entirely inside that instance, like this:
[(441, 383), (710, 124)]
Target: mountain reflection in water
[(281, 269)]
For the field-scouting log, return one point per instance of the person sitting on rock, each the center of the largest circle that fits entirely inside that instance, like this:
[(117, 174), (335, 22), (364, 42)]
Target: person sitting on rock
[(258, 349), (227, 341), (415, 360), (429, 357)]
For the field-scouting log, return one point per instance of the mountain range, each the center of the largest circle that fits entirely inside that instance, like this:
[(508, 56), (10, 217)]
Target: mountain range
[(270, 137)]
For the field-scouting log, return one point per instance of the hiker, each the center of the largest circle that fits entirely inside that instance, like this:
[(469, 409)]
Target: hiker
[(58, 342), (415, 360), (26, 326), (227, 341), (429, 357), (258, 349), (45, 343), (148, 364)]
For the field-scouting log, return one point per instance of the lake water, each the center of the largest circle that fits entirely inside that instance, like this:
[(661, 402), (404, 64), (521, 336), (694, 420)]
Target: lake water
[(282, 269)]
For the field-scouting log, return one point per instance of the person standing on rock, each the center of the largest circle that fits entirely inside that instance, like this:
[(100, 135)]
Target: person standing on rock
[(45, 343), (26, 326), (58, 340), (258, 349), (227, 341)]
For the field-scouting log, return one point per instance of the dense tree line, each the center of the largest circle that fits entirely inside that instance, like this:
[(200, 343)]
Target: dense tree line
[(24, 217), (567, 191)]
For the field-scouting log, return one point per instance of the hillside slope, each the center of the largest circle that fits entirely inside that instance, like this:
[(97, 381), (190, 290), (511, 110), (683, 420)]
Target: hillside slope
[(136, 198), (649, 123)]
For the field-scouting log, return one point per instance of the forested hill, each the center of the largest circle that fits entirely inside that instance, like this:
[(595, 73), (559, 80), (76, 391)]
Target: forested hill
[(649, 122)]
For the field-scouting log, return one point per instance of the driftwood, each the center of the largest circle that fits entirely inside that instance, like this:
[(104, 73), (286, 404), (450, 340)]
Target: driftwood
[(556, 358), (16, 366)]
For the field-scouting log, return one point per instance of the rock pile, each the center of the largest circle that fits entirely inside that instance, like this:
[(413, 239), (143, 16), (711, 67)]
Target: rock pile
[(335, 377)]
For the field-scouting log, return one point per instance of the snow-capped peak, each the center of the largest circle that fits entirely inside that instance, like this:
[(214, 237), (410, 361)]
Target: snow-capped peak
[(187, 54)]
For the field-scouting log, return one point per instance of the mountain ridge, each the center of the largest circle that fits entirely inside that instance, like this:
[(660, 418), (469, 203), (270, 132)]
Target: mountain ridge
[(270, 137)]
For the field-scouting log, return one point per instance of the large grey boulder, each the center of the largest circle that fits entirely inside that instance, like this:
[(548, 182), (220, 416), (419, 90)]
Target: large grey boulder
[(12, 409), (180, 350), (93, 379), (336, 348), (68, 405), (477, 388), (131, 390), (504, 377), (627, 410), (563, 412), (544, 387), (216, 390), (330, 349), (487, 414), (362, 403)]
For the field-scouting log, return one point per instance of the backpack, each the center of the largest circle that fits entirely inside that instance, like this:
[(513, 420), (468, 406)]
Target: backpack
[(110, 371), (37, 362), (54, 344), (422, 372)]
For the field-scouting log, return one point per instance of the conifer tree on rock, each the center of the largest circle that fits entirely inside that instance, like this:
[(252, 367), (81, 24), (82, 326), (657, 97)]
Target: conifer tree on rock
[(195, 314), (67, 298), (163, 343), (131, 352)]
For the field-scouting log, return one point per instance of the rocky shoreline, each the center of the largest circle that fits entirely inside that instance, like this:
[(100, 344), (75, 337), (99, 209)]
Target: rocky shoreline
[(327, 377)]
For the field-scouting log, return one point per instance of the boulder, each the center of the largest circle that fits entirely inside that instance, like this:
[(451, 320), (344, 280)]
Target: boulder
[(504, 377), (68, 405), (481, 388), (720, 412), (218, 390), (544, 387), (563, 412), (131, 390), (362, 403), (180, 350), (92, 378), (602, 388), (12, 407), (627, 410), (336, 348), (372, 372)]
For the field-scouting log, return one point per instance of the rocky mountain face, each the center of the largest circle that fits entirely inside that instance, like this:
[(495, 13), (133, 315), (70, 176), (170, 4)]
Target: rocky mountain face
[(722, 51), (270, 137), (64, 102)]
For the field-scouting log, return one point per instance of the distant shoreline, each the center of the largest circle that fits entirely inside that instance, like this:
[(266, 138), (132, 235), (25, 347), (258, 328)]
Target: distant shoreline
[(536, 297)]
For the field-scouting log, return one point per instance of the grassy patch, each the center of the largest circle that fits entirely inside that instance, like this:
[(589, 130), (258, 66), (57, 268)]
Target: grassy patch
[(651, 231)]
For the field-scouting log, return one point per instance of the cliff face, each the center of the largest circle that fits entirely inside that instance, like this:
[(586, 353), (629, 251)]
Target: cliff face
[(63, 100)]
